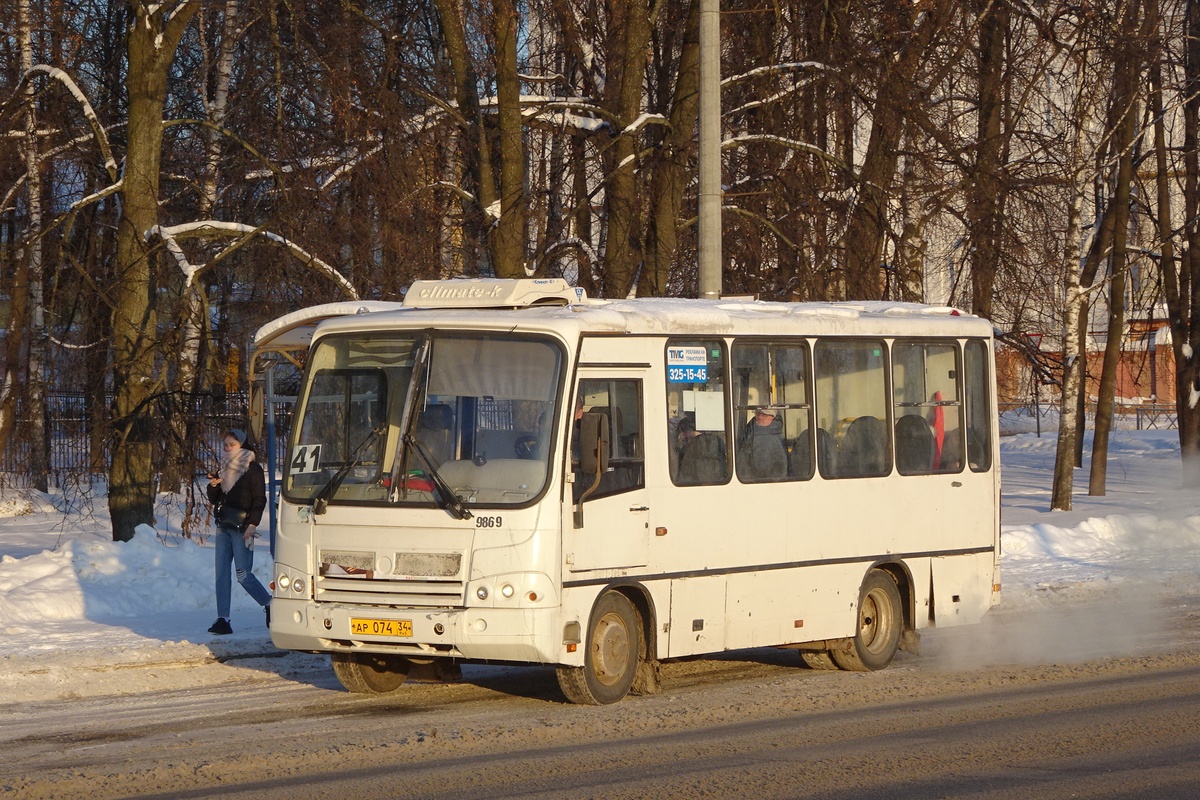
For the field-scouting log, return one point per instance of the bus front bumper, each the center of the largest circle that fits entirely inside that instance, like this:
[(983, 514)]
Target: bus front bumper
[(495, 634)]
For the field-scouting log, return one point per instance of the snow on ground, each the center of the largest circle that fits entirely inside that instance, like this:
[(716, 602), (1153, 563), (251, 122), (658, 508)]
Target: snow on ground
[(69, 596)]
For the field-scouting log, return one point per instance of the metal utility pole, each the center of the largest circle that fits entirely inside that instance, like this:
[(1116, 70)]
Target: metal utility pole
[(709, 235)]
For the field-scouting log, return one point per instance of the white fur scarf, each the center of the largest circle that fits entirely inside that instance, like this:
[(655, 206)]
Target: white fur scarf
[(233, 467)]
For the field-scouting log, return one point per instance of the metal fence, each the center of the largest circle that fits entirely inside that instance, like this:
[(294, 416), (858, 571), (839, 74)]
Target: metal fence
[(79, 445), (1157, 416), (1025, 417)]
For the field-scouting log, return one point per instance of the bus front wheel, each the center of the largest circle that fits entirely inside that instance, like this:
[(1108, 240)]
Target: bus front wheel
[(614, 646), (880, 623), (818, 659), (370, 673)]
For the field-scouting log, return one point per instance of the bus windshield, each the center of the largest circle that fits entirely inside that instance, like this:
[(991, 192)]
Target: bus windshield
[(383, 417)]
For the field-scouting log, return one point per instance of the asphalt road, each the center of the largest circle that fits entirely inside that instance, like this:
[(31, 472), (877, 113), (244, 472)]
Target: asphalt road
[(954, 722)]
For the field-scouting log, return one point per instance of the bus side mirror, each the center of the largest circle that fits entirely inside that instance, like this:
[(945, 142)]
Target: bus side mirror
[(593, 455)]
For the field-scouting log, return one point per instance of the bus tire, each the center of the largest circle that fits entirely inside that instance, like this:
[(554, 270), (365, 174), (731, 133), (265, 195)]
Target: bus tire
[(614, 649), (880, 623), (818, 659), (370, 673)]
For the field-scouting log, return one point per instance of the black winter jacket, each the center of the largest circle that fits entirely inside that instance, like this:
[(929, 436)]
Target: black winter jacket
[(249, 493)]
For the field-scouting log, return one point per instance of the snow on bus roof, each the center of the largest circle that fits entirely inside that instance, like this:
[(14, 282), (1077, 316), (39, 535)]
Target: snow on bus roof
[(293, 331), (682, 315), (494, 302), (675, 316)]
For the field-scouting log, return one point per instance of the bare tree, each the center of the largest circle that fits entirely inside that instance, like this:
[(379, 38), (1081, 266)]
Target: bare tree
[(917, 29), (984, 205), (152, 38), (1185, 305), (1074, 330), (1128, 62), (509, 237)]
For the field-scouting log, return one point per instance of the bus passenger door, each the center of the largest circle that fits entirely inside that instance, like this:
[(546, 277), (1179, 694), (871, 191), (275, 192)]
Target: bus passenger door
[(615, 529)]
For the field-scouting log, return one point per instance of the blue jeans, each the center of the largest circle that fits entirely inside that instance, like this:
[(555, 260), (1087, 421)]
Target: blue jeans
[(230, 546)]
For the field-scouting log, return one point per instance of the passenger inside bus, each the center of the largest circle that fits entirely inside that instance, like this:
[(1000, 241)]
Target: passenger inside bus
[(701, 454), (761, 454)]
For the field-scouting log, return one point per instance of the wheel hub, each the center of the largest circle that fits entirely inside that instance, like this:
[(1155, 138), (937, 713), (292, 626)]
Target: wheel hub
[(611, 649)]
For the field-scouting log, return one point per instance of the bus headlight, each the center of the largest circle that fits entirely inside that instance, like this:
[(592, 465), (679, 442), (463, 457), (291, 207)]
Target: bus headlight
[(510, 590), (285, 582)]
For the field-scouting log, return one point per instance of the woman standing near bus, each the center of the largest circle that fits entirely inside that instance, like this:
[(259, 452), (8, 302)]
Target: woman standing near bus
[(237, 491)]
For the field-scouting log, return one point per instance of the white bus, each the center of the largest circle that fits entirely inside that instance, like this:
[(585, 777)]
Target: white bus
[(510, 472)]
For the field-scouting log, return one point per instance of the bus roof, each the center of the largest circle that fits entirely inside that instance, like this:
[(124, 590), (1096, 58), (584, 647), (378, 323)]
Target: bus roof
[(676, 316), (553, 306), (294, 331)]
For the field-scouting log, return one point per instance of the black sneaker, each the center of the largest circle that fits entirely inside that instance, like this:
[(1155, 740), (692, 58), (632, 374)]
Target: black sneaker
[(267, 610), (220, 627)]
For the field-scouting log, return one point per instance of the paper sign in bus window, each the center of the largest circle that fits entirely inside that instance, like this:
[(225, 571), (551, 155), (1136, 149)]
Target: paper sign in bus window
[(306, 458), (710, 411)]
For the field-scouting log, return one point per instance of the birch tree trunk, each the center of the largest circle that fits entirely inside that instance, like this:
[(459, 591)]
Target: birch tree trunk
[(1069, 428), (19, 291), (194, 327), (1073, 370), (34, 418), (152, 39)]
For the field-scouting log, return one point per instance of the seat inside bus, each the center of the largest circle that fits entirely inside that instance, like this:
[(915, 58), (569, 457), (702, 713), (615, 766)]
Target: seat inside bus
[(800, 461), (435, 431), (915, 445), (863, 450)]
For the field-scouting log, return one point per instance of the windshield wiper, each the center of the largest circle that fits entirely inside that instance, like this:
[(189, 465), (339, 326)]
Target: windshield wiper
[(321, 498), (408, 419), (453, 502)]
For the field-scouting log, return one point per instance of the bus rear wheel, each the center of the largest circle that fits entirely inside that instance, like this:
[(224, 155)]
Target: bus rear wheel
[(614, 646), (370, 673), (880, 623)]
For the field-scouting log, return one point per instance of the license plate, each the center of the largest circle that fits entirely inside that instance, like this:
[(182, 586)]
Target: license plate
[(380, 627)]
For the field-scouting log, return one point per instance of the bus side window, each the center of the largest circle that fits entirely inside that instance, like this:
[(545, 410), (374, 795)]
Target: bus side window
[(979, 430), (927, 406), (697, 436), (772, 413), (851, 392)]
